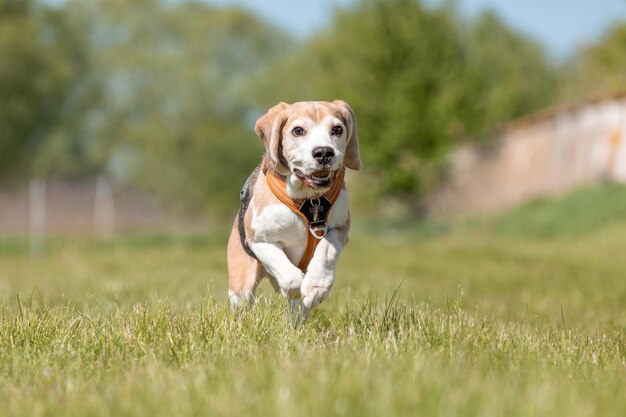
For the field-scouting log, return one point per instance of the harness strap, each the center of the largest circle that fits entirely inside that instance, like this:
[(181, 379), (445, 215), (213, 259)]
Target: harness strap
[(314, 211)]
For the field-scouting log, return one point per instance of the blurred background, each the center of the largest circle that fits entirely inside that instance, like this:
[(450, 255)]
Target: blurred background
[(125, 116), (488, 224)]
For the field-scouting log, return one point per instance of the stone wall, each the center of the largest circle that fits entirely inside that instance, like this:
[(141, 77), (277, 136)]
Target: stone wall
[(545, 154)]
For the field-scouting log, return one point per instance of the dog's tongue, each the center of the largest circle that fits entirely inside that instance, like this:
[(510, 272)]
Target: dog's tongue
[(317, 179), (321, 174)]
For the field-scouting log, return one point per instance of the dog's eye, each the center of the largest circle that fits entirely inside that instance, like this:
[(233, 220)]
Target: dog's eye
[(336, 130), (297, 131)]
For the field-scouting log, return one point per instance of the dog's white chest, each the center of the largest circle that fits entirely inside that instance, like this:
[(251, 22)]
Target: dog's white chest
[(278, 224)]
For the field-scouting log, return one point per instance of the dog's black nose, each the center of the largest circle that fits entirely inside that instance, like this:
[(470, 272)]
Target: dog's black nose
[(323, 154)]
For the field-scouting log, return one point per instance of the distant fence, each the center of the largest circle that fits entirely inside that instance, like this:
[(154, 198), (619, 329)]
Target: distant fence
[(86, 208), (542, 155)]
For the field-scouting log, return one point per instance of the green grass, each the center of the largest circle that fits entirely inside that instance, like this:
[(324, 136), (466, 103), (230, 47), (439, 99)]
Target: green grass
[(468, 321), (581, 212)]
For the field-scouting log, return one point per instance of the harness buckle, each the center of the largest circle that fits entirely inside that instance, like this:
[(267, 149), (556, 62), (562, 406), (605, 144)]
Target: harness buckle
[(318, 228)]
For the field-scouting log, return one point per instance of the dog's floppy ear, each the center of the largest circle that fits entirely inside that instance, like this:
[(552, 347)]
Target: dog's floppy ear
[(352, 158), (269, 129)]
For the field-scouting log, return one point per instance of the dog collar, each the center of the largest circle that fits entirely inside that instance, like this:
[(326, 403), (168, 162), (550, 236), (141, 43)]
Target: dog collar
[(314, 211)]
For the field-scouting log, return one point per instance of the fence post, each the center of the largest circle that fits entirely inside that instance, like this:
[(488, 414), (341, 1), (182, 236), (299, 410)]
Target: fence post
[(104, 208), (37, 223)]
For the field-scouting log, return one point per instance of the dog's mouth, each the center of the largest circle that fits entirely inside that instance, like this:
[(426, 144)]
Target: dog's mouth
[(318, 179)]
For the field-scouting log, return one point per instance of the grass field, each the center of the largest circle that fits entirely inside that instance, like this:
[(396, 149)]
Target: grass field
[(524, 315)]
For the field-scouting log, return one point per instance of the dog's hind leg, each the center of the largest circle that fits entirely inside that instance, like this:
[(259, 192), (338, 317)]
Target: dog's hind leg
[(244, 273), (241, 288)]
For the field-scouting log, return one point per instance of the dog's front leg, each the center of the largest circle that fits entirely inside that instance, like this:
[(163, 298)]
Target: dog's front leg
[(275, 262), (320, 275)]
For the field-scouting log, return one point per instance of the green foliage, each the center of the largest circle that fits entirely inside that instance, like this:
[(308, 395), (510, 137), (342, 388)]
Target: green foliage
[(598, 68), (420, 81), (163, 95), (41, 59), (154, 94), (504, 76), (173, 115)]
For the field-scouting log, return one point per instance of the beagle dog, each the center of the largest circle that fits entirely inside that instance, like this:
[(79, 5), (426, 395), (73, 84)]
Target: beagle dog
[(293, 221)]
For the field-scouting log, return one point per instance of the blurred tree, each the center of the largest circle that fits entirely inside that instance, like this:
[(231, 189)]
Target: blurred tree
[(504, 76), (419, 79), (598, 68), (173, 111), (41, 57), (164, 94)]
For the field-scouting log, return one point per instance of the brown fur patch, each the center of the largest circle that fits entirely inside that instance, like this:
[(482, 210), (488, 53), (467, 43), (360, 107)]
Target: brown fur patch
[(316, 111)]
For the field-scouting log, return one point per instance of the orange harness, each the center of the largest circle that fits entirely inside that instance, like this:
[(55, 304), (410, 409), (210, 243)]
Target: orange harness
[(314, 211)]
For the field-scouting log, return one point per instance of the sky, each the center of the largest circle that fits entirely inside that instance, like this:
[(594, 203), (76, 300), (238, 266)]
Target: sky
[(561, 25)]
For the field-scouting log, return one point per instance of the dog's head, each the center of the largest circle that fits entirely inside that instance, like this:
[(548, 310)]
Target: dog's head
[(311, 140)]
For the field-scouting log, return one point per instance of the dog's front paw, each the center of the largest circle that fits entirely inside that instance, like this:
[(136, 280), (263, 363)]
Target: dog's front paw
[(290, 284), (314, 292)]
